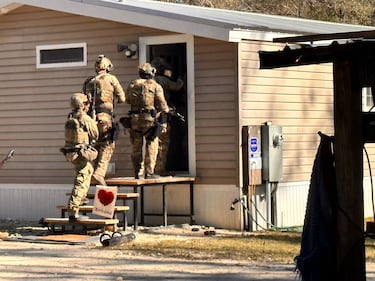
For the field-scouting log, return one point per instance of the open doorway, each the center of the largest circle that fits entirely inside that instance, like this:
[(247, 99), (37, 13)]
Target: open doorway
[(174, 54)]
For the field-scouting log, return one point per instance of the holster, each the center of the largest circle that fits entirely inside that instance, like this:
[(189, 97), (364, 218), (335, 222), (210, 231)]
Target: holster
[(89, 153), (155, 131)]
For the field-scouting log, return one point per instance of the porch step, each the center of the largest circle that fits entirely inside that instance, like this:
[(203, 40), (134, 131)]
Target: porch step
[(88, 221), (123, 196), (89, 208), (51, 223)]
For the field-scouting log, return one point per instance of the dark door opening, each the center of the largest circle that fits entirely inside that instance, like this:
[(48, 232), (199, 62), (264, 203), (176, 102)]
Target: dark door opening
[(175, 55)]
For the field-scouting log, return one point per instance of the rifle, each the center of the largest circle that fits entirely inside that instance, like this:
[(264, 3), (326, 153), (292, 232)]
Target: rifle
[(93, 109), (173, 113), (6, 158), (114, 131), (91, 95)]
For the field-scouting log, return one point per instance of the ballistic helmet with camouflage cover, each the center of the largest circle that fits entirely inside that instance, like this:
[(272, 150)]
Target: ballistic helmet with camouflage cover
[(103, 63), (78, 100), (147, 69), (161, 65)]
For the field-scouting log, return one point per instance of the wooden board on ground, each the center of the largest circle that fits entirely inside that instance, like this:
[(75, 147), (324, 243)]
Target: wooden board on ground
[(72, 239), (81, 222)]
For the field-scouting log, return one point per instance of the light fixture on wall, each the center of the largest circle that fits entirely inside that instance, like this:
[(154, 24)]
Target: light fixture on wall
[(130, 51)]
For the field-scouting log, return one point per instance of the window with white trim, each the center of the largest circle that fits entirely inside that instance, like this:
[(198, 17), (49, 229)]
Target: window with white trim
[(62, 55)]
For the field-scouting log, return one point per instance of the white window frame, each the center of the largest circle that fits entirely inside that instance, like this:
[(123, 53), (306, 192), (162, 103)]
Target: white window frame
[(61, 64)]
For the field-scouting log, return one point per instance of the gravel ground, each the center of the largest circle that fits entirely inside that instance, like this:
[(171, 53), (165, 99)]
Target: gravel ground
[(24, 258), (36, 261)]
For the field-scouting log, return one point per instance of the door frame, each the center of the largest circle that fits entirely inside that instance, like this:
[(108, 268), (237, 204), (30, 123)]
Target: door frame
[(189, 41)]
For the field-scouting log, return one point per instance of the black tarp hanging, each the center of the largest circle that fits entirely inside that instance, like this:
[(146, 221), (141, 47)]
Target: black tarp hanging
[(316, 261)]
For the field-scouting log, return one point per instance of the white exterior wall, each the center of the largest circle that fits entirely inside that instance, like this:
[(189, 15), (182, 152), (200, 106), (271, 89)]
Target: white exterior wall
[(32, 202)]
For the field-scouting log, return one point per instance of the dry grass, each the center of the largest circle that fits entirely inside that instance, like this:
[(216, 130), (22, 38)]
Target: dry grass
[(263, 246), (267, 246)]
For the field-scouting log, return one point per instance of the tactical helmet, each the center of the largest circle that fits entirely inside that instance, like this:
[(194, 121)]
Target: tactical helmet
[(147, 69), (160, 64), (78, 100), (103, 63)]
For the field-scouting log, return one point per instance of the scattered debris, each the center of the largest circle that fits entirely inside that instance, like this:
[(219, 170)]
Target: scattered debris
[(116, 238)]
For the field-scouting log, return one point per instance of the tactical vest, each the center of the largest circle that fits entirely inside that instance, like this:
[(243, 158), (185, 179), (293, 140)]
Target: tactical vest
[(141, 95), (103, 85), (75, 133)]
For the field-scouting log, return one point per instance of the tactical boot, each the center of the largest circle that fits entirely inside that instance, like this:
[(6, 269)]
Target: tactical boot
[(75, 218), (151, 176), (72, 219), (73, 214)]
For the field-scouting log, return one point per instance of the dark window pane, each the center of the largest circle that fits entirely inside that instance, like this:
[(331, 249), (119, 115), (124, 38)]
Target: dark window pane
[(61, 55)]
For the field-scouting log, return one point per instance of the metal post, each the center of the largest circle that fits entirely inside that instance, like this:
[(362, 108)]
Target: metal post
[(268, 203)]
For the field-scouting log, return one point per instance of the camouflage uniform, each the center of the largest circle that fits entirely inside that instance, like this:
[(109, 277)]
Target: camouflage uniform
[(147, 100), (80, 131), (105, 90), (168, 86)]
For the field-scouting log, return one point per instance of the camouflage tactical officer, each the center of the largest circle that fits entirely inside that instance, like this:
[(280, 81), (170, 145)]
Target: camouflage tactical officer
[(163, 76), (80, 131), (147, 102), (104, 91)]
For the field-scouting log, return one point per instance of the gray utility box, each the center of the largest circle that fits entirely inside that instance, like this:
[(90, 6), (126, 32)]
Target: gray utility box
[(272, 152)]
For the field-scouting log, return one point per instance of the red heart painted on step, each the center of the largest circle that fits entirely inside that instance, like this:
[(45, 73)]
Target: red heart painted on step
[(105, 197)]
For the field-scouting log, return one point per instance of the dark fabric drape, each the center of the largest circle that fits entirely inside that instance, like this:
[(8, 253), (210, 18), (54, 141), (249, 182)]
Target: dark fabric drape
[(316, 261)]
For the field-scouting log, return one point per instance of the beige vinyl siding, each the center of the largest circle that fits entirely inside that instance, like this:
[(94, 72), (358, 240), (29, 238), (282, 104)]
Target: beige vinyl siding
[(216, 95), (34, 102), (300, 99)]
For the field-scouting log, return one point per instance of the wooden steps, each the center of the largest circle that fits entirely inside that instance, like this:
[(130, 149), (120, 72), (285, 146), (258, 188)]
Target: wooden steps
[(122, 196), (107, 224), (89, 208), (88, 221)]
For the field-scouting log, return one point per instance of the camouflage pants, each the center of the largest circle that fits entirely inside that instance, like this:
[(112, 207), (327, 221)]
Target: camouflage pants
[(138, 137), (161, 161), (83, 173), (105, 152)]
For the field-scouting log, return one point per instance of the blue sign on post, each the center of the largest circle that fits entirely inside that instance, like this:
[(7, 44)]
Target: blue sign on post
[(253, 144)]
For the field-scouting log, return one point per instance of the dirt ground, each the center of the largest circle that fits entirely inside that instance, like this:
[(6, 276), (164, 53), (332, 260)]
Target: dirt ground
[(77, 257), (40, 261)]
